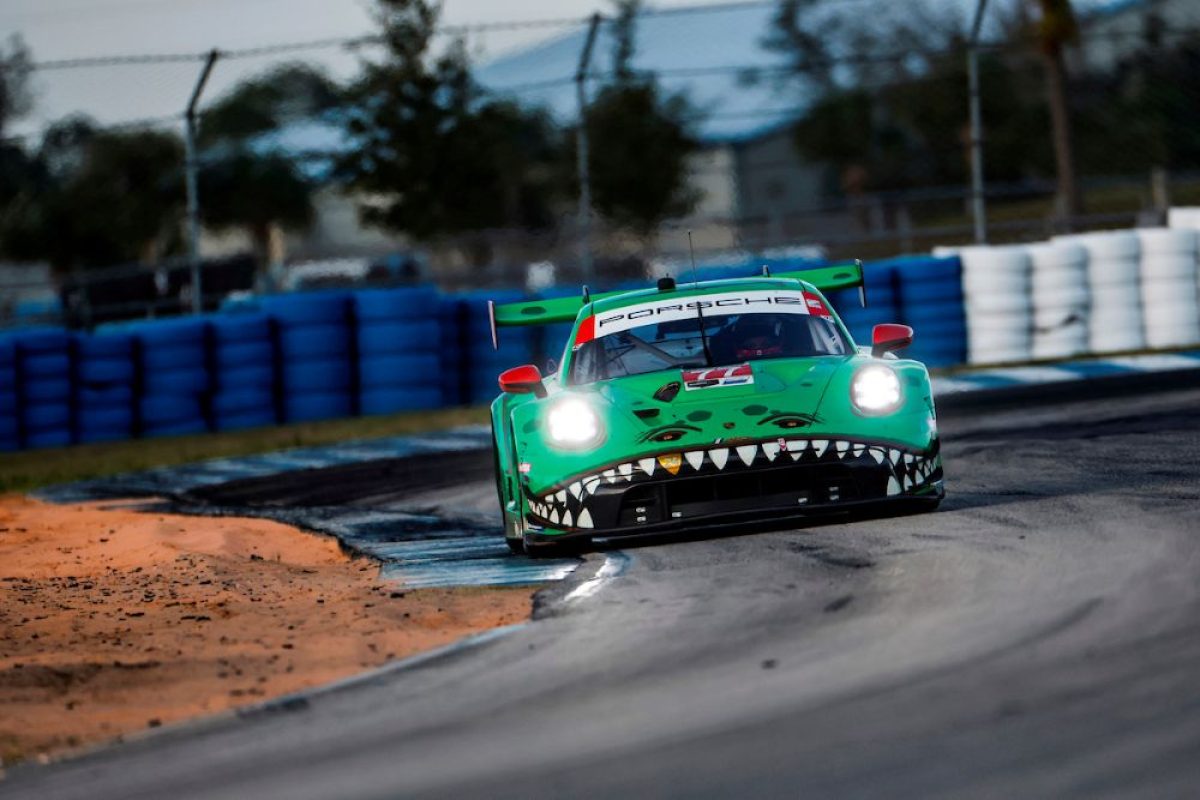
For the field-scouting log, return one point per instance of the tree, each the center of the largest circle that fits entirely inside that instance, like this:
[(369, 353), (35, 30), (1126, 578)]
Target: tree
[(641, 141), (431, 154), (15, 67), (265, 103), (1054, 28), (245, 182), (100, 198)]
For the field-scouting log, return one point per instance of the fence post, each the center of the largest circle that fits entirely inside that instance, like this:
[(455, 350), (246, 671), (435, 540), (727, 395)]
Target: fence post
[(978, 207), (191, 167), (581, 147)]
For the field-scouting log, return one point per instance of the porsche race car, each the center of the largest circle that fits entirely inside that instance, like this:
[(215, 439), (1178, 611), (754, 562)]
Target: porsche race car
[(697, 404)]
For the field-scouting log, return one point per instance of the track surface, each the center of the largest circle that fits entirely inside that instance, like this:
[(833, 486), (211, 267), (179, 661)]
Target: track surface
[(1038, 637)]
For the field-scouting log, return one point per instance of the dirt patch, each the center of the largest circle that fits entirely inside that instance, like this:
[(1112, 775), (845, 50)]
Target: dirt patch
[(112, 621)]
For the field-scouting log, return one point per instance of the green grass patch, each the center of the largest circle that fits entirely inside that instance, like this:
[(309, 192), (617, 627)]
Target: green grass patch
[(21, 472)]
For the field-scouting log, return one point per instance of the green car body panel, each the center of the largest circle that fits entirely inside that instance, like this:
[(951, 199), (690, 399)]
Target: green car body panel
[(716, 454)]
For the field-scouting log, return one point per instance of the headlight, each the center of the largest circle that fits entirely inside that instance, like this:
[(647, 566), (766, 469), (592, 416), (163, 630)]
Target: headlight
[(875, 390), (573, 423)]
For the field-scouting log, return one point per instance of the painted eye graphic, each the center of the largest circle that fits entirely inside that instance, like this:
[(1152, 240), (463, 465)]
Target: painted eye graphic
[(667, 436), (668, 433), (788, 421)]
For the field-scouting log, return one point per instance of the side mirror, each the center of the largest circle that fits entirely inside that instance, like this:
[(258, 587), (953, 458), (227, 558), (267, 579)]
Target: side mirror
[(523, 380), (889, 337)]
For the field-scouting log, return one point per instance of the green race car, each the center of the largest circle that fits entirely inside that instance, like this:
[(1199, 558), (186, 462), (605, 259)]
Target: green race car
[(700, 404)]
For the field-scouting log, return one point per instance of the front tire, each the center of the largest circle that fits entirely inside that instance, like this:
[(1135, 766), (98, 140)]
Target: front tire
[(515, 545)]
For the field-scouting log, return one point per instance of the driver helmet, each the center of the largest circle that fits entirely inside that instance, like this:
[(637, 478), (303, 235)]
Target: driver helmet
[(758, 337)]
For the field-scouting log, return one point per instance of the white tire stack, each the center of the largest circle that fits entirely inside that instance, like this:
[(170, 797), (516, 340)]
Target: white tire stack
[(996, 284), (1061, 300), (1169, 285), (1115, 320)]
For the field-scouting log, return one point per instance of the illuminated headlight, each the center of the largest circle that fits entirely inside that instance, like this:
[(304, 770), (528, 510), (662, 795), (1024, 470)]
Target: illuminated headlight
[(876, 390), (573, 423)]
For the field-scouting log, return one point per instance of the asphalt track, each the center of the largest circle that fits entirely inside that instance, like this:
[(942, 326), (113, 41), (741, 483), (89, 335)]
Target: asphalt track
[(1037, 637)]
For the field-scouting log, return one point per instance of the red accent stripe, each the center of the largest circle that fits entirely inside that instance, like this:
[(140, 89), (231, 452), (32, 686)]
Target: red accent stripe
[(815, 306)]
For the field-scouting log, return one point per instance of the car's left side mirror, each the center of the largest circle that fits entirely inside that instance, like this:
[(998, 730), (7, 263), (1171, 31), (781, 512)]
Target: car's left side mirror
[(523, 380), (890, 337)]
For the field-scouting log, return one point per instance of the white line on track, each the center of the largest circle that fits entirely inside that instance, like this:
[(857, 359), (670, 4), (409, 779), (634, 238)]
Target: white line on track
[(611, 568)]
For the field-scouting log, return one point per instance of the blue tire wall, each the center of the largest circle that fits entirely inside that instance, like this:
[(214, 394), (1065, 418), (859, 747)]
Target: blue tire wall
[(43, 362), (10, 425), (104, 396), (245, 361), (317, 375), (931, 302), (393, 401), (176, 377), (453, 379), (314, 406), (416, 303), (398, 342)]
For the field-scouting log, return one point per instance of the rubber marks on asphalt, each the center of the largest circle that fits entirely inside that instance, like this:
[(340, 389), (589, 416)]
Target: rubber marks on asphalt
[(614, 564)]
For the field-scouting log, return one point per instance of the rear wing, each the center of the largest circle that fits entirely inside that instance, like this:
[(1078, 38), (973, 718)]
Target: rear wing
[(566, 309)]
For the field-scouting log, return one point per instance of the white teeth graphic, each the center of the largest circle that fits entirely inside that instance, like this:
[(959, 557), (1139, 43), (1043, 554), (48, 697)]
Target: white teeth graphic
[(554, 515), (647, 465), (626, 471), (842, 447), (858, 450), (591, 484), (562, 497), (878, 455), (893, 487), (908, 483), (695, 458), (820, 445), (610, 475), (746, 453), (577, 490), (770, 450), (894, 456), (548, 499), (585, 519), (720, 457), (566, 517), (796, 448), (908, 459)]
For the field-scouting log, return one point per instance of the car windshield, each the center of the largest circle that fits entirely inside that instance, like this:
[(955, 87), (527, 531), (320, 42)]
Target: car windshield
[(728, 339)]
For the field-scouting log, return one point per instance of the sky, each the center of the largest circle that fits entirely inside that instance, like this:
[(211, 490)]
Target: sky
[(65, 29)]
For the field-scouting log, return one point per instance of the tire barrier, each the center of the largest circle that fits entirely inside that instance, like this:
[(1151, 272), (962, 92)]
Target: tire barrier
[(997, 296), (176, 379), (10, 425), (453, 367), (316, 354), (43, 362), (398, 334), (1115, 321), (107, 375), (1168, 285), (929, 298), (1061, 299), (244, 359), (481, 363)]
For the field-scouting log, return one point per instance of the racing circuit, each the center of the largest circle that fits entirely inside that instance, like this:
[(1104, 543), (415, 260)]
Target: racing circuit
[(1037, 636)]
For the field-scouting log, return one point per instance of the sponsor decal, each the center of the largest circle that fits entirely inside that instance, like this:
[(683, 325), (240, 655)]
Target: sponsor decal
[(753, 302), (740, 375), (525, 467)]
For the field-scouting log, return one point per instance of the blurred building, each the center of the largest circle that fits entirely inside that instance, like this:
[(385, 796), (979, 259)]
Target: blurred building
[(1115, 30)]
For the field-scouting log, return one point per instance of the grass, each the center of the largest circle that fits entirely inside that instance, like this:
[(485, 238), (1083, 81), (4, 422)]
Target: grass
[(22, 472)]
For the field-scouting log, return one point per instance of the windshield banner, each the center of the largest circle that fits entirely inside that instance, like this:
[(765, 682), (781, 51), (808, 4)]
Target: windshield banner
[(754, 302)]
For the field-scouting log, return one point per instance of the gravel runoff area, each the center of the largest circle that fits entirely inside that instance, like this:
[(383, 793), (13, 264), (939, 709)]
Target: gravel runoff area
[(113, 621)]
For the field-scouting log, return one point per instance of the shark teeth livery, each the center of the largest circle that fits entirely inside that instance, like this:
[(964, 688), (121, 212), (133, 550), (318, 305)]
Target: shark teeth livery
[(576, 503)]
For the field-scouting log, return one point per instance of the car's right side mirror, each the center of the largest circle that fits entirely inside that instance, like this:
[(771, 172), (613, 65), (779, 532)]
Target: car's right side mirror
[(889, 337), (523, 380)]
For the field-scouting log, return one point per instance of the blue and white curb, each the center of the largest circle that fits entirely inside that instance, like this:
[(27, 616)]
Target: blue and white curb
[(1011, 377)]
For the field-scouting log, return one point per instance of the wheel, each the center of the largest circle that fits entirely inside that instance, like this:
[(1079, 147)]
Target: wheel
[(516, 545)]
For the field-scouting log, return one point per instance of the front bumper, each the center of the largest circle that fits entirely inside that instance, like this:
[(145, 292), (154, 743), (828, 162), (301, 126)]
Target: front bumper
[(768, 479)]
